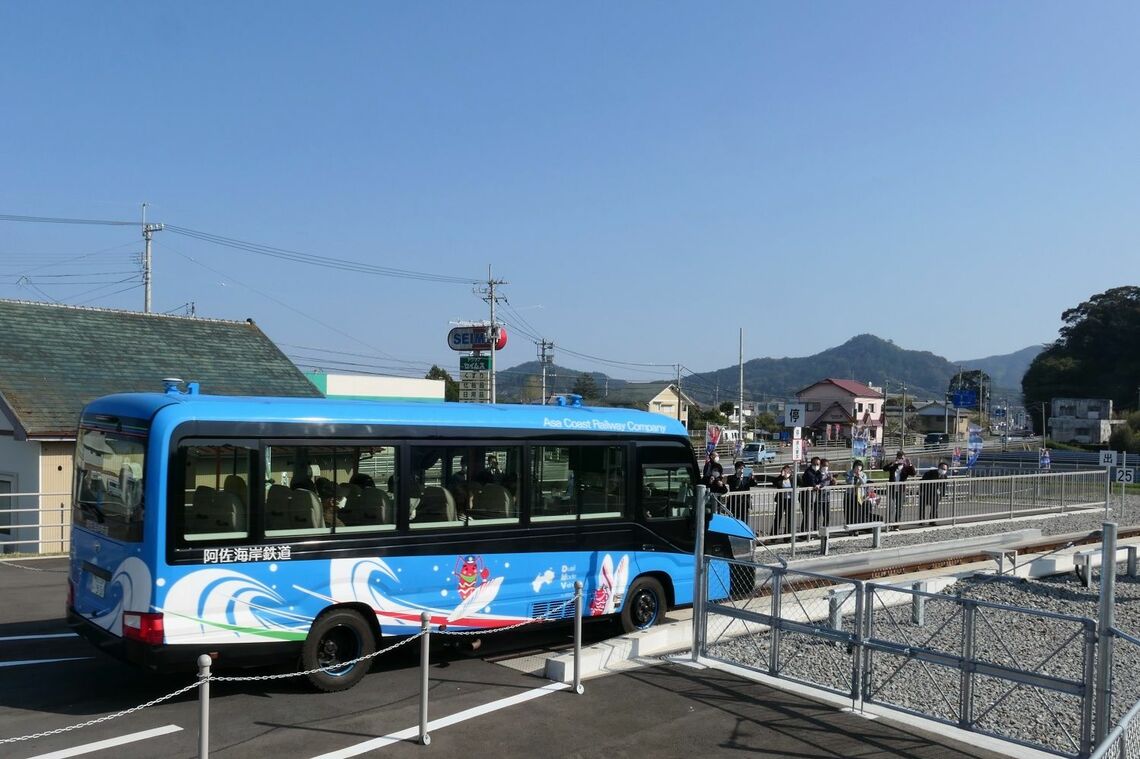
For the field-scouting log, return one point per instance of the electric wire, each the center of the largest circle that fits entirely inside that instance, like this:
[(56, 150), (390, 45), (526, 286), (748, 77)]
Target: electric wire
[(285, 305), (108, 295), (60, 220), (312, 259)]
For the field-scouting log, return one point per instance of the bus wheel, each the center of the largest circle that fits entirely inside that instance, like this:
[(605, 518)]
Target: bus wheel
[(335, 638), (644, 605)]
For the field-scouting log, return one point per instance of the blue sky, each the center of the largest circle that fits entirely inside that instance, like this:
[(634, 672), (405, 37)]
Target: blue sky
[(648, 177)]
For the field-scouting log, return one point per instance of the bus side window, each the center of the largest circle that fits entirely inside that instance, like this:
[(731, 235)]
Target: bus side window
[(666, 487), (216, 483)]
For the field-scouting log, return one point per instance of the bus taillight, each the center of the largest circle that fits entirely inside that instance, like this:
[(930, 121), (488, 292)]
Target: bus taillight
[(144, 627)]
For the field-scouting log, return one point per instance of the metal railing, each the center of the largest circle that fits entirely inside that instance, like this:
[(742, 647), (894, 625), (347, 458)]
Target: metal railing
[(773, 514), (27, 526), (936, 656)]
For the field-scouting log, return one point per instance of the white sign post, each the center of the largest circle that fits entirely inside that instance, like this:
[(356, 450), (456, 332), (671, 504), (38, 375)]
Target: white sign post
[(1108, 458), (797, 449), (794, 414)]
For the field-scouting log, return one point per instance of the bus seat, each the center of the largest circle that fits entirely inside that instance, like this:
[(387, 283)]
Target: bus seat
[(305, 510), (352, 513), (492, 502), (212, 511), (277, 508), (376, 506), (436, 505), (235, 485)]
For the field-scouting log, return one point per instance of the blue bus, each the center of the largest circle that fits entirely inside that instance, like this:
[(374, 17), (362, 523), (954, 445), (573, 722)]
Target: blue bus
[(256, 528)]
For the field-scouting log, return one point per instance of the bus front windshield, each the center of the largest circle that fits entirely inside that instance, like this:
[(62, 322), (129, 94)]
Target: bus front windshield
[(109, 484)]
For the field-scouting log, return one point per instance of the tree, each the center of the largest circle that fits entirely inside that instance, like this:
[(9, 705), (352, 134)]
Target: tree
[(585, 386), (450, 386), (1093, 356), (727, 408), (767, 422)]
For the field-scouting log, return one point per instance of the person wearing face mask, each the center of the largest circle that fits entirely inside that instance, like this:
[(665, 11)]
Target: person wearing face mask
[(809, 497), (931, 491), (898, 472), (826, 480), (857, 509)]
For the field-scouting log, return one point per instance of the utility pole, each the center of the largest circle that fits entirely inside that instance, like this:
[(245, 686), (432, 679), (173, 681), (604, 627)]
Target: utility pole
[(544, 358), (147, 230), (488, 294), (678, 368), (740, 408)]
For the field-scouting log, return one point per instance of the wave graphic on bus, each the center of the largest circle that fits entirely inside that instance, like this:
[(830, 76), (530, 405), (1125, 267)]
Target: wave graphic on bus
[(365, 581), (228, 605), (130, 587)]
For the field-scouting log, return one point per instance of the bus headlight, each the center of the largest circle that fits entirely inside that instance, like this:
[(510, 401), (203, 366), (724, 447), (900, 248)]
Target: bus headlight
[(743, 549)]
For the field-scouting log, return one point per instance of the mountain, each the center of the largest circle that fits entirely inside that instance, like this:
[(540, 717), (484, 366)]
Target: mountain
[(865, 358), (1006, 371)]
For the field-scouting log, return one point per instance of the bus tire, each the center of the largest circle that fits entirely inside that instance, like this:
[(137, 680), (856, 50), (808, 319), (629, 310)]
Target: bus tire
[(644, 605), (340, 635)]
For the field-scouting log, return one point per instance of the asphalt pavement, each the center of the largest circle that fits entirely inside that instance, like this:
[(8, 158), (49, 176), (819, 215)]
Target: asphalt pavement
[(478, 707)]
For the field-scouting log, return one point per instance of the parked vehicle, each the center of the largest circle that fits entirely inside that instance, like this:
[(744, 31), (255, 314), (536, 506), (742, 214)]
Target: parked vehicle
[(757, 453), (937, 440)]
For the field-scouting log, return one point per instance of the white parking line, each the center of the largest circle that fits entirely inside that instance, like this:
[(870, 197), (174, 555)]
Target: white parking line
[(38, 637), (27, 662), (87, 748), (442, 722)]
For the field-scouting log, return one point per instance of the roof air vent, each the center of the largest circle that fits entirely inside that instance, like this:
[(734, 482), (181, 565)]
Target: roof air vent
[(171, 385)]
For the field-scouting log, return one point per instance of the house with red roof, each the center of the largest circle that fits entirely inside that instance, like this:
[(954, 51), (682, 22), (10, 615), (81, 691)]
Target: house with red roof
[(841, 409)]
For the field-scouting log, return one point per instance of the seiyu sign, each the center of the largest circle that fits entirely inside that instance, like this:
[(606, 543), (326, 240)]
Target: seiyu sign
[(474, 338)]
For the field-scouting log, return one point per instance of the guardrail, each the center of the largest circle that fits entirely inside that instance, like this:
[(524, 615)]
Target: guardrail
[(774, 513), (30, 525)]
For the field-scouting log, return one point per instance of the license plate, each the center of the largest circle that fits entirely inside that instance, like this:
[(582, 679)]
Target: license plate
[(97, 585)]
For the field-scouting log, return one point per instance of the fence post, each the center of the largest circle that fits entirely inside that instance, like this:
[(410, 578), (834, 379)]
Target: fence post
[(835, 610), (774, 633), (954, 502), (204, 706), (578, 637), (857, 653), (1105, 621), (1011, 484), (1062, 476), (425, 629), (918, 604), (699, 572), (966, 694)]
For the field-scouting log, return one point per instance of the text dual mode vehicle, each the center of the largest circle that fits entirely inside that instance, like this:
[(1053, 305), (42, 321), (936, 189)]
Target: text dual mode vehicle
[(259, 528)]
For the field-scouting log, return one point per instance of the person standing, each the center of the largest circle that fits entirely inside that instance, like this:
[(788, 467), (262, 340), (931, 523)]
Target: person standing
[(783, 484), (931, 491), (712, 465), (809, 498), (856, 509), (898, 471), (738, 482), (826, 480)]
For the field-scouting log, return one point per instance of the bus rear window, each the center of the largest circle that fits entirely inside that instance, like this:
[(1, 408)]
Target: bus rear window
[(109, 484)]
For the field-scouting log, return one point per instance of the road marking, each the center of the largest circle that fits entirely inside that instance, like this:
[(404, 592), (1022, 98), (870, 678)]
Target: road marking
[(87, 748), (42, 661), (39, 637), (442, 722)]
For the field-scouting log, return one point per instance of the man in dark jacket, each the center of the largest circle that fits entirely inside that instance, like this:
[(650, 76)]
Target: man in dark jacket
[(811, 481), (898, 471), (783, 483), (932, 489), (738, 481)]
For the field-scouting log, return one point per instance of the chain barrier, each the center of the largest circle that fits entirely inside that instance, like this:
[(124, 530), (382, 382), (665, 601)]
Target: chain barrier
[(32, 569), (104, 718), (280, 676)]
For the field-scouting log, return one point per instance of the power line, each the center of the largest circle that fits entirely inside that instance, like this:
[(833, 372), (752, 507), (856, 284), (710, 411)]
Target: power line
[(60, 220), (315, 260)]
